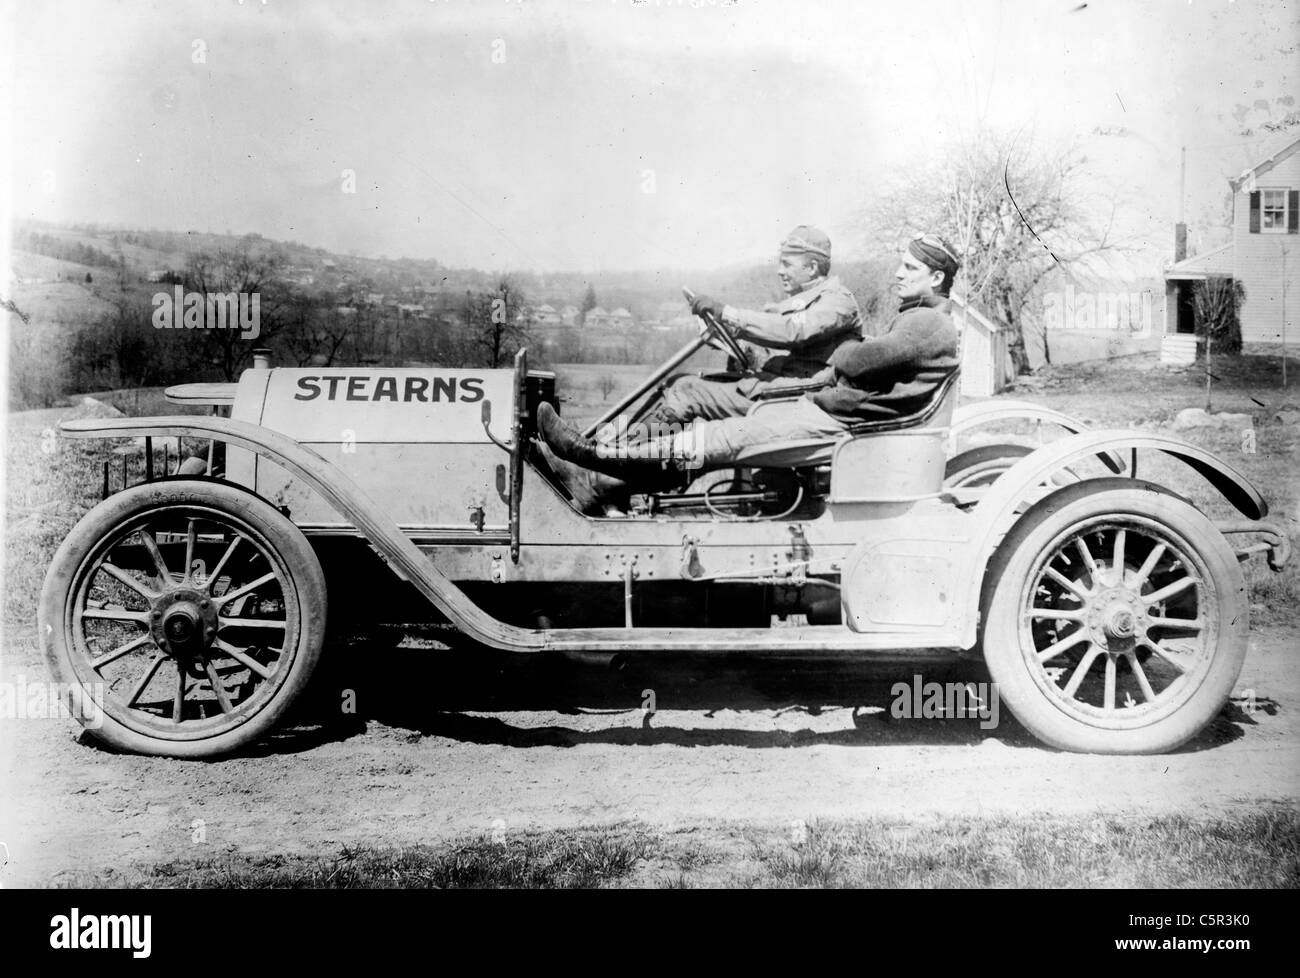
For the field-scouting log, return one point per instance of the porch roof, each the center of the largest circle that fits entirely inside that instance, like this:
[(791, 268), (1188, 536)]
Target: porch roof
[(1212, 263)]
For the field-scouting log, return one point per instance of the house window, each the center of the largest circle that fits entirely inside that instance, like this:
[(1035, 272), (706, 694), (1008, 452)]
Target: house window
[(1273, 211)]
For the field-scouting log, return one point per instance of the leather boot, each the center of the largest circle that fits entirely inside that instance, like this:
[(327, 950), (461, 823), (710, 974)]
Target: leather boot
[(594, 494), (646, 472)]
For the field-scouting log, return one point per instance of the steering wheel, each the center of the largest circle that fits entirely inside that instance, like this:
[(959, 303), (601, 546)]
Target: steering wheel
[(734, 349)]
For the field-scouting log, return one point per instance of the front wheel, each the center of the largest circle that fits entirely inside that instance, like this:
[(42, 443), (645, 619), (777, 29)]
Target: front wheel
[(183, 617), (1116, 619)]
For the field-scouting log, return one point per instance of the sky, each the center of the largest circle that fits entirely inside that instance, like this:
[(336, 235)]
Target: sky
[(589, 135)]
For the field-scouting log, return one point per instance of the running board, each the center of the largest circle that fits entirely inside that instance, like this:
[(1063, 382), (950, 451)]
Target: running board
[(807, 638)]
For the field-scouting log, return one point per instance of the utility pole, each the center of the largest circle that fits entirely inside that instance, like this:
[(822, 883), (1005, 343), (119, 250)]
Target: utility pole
[(1283, 246), (1209, 341)]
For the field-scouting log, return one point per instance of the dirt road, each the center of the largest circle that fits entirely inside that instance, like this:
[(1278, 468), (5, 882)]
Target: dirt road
[(448, 743)]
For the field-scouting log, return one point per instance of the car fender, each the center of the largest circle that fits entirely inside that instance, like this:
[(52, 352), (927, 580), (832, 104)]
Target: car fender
[(345, 496), (971, 416), (996, 511)]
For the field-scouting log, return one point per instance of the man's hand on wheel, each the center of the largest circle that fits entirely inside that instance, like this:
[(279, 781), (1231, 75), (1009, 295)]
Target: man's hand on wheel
[(710, 330), (702, 304)]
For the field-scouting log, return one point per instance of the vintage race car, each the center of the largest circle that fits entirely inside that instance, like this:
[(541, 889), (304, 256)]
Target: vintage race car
[(1111, 612)]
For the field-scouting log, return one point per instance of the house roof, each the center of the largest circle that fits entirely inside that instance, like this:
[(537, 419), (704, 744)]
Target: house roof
[(1216, 262), (1262, 167)]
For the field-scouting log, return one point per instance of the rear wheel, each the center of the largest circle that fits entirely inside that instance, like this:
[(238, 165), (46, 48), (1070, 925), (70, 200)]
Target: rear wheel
[(1116, 619), (981, 466), (184, 617)]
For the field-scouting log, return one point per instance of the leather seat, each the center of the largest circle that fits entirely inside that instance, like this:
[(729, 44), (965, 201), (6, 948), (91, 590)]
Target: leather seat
[(804, 452)]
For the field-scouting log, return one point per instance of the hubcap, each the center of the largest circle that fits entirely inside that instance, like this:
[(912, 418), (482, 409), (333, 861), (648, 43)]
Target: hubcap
[(183, 621), (1115, 618)]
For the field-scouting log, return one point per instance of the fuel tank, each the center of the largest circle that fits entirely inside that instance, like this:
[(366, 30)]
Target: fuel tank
[(413, 438)]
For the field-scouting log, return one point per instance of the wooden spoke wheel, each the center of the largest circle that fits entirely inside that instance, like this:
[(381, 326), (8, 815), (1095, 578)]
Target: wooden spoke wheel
[(1116, 619), (186, 615)]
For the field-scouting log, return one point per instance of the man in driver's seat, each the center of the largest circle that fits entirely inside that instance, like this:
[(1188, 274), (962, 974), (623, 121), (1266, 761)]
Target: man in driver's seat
[(890, 375), (817, 315)]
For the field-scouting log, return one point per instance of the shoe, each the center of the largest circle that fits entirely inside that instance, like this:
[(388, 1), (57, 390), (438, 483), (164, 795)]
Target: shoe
[(594, 494), (564, 440)]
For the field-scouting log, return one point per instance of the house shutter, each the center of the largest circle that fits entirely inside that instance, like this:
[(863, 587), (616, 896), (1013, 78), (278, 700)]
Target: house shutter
[(1254, 212), (1293, 211)]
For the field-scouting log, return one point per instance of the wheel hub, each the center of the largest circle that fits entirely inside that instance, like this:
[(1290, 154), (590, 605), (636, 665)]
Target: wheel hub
[(183, 621), (179, 625), (1116, 617)]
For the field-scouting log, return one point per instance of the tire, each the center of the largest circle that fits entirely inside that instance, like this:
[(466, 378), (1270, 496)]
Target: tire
[(168, 586), (1170, 632), (981, 466)]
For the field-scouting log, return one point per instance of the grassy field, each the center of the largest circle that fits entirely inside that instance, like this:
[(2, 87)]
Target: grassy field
[(588, 389), (1259, 849)]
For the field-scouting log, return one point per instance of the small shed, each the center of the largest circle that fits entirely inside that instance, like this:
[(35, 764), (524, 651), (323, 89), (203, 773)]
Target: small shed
[(983, 348)]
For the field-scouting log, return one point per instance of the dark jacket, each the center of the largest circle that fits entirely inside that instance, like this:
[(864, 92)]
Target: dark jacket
[(896, 372)]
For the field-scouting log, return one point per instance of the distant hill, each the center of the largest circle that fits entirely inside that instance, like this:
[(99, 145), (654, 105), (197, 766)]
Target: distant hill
[(645, 293), (88, 292)]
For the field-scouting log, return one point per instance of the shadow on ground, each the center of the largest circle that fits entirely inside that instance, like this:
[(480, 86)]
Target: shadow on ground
[(433, 692)]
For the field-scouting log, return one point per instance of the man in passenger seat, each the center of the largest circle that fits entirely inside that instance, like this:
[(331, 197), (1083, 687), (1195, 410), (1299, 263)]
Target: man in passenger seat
[(889, 375)]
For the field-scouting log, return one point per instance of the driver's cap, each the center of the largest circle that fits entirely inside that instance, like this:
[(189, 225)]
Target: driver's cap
[(807, 240)]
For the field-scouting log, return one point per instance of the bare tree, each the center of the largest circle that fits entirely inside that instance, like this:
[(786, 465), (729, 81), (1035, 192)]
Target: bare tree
[(245, 269), (121, 348), (1014, 215), (497, 323), (588, 303), (363, 334), (315, 330), (1216, 303)]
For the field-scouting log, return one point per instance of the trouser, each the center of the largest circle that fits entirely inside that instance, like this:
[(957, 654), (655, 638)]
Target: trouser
[(712, 443), (691, 398)]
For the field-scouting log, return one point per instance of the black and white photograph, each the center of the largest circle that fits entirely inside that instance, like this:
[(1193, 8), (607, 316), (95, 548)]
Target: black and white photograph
[(651, 444)]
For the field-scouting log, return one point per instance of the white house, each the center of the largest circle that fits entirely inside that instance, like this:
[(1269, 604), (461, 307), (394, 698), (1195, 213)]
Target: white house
[(545, 315), (1263, 255)]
